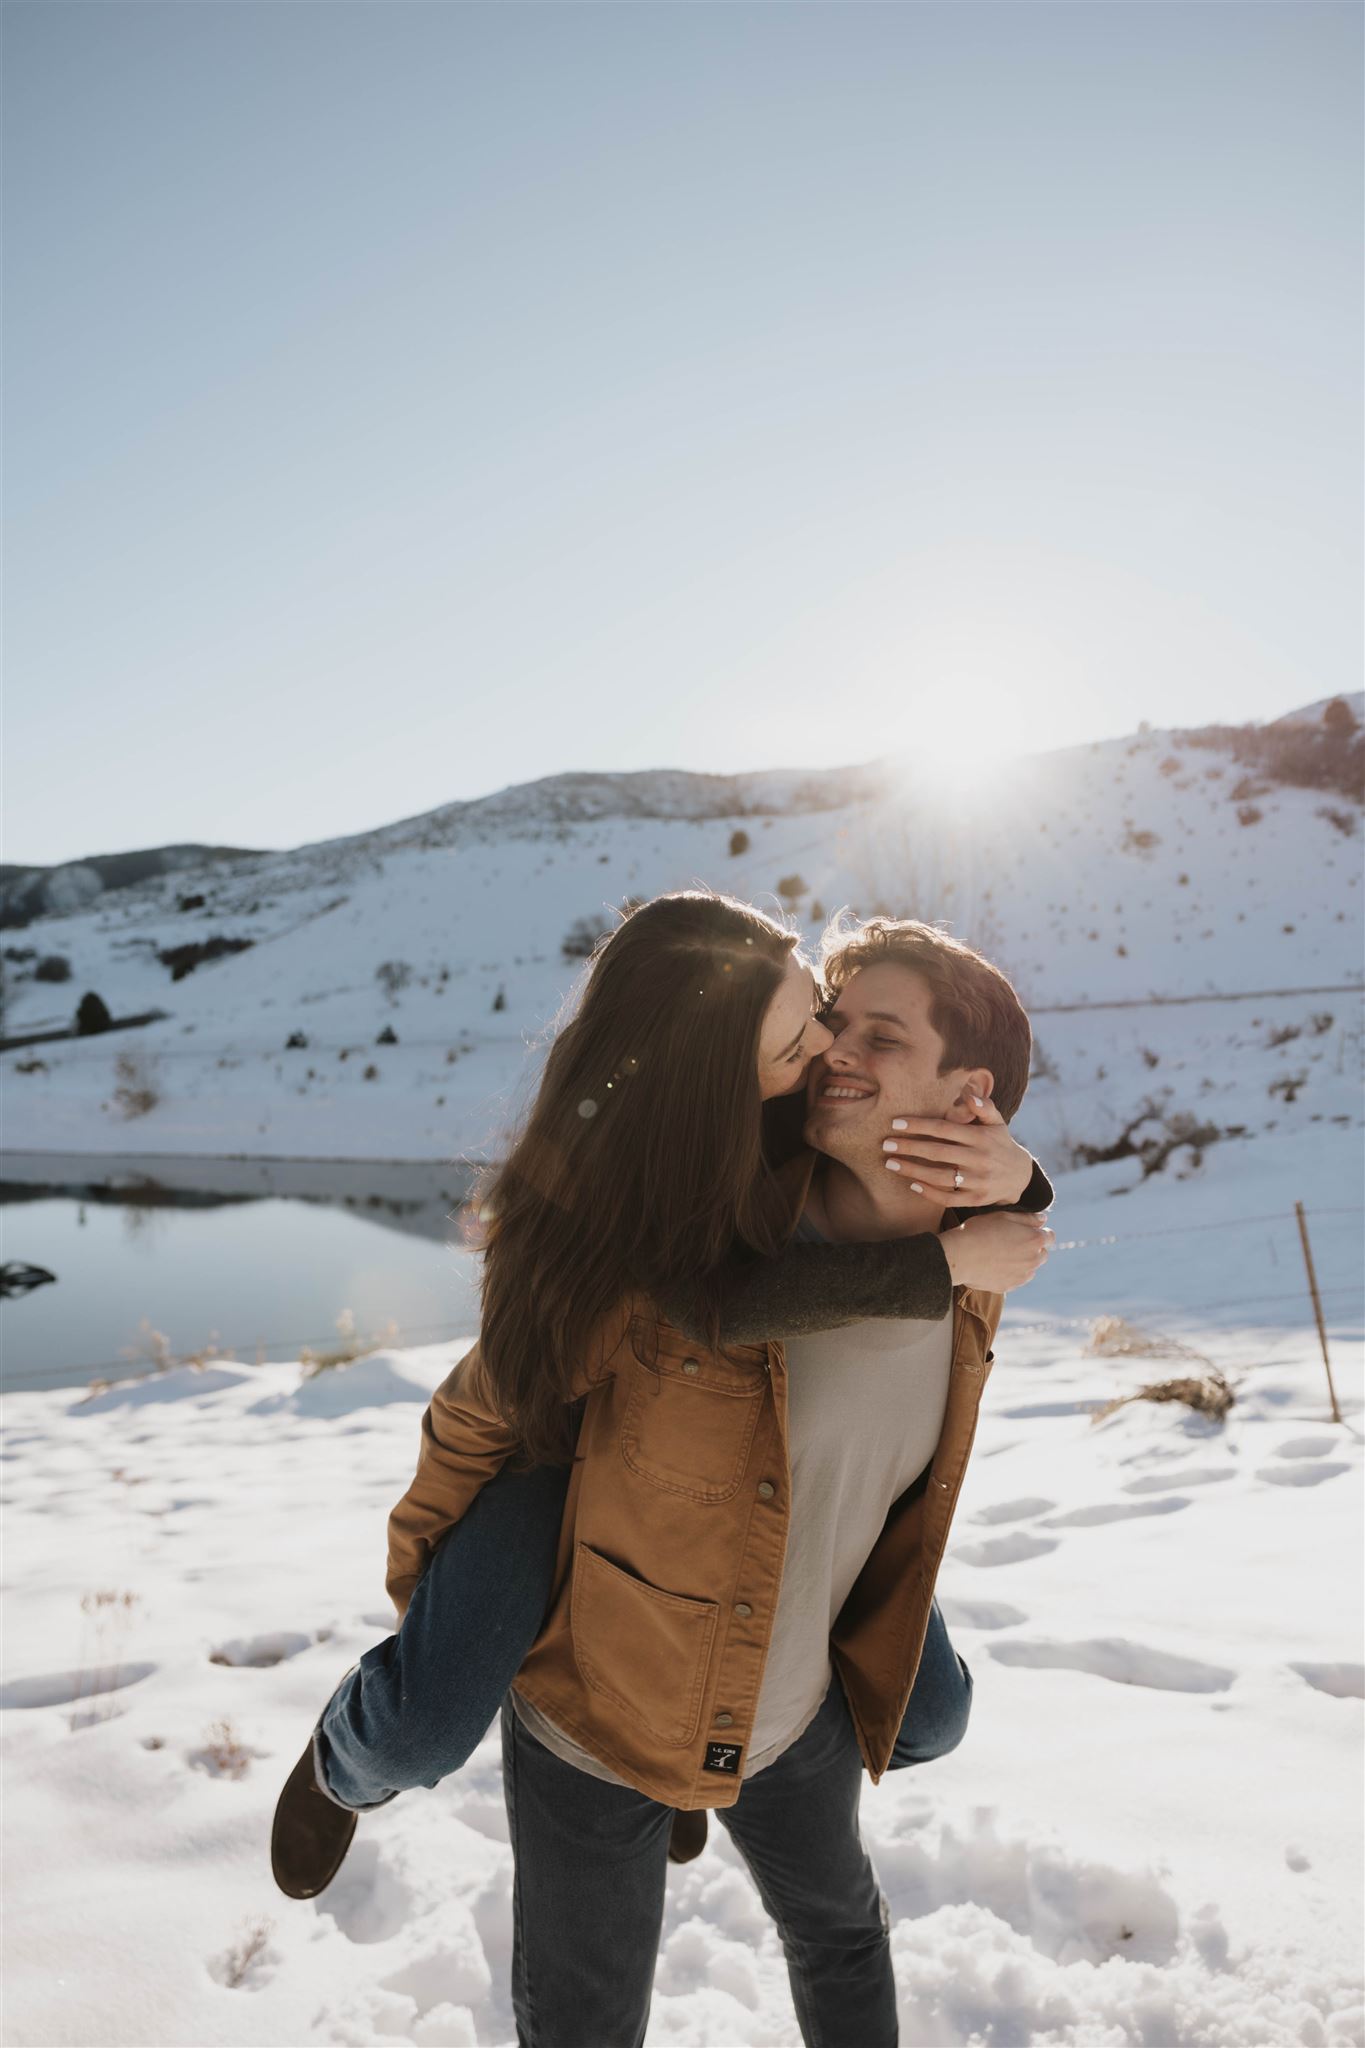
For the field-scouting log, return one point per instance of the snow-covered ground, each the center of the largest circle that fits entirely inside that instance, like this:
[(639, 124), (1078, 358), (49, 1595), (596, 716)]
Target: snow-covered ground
[(1109, 874), (1150, 1835)]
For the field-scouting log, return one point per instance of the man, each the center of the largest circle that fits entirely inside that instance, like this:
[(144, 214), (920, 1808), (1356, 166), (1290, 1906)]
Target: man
[(876, 1421)]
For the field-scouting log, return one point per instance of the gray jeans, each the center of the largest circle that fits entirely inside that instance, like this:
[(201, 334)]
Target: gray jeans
[(589, 1894)]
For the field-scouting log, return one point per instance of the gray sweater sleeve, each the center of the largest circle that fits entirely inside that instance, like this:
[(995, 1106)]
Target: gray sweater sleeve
[(818, 1286)]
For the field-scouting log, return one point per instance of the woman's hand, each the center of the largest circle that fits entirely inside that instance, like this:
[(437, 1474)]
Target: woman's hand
[(973, 1166), (997, 1253)]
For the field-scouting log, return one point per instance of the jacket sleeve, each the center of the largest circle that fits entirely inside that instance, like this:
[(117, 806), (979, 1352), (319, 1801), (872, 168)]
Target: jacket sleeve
[(1036, 1196), (465, 1443), (809, 1287)]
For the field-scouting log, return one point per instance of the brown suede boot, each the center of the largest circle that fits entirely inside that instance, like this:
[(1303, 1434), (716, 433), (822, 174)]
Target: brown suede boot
[(311, 1834), (688, 1838)]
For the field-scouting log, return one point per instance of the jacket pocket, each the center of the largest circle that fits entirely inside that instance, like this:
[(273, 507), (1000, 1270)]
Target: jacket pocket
[(645, 1650), (689, 1420)]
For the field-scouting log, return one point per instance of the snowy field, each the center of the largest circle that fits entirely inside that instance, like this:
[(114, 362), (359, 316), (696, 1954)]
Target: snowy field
[(1151, 1834)]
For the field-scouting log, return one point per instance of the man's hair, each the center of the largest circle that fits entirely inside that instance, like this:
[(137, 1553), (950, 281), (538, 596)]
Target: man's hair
[(974, 1010)]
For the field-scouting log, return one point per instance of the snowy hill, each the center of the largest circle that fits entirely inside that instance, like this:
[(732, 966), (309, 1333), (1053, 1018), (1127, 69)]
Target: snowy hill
[(1131, 888)]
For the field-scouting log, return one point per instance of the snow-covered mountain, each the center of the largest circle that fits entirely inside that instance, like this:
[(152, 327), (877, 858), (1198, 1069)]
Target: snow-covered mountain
[(1131, 887)]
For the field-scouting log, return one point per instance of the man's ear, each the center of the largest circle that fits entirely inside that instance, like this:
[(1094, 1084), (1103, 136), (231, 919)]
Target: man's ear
[(976, 1081)]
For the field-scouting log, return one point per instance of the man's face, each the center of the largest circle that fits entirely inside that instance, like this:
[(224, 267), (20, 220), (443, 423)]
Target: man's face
[(884, 1062)]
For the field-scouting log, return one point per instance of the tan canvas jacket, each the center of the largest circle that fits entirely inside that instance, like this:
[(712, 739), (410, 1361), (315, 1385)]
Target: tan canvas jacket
[(671, 1549)]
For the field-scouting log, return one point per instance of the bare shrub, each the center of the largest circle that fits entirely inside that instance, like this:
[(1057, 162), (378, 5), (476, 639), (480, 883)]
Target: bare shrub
[(151, 1345), (1116, 1337), (1343, 821), (393, 977), (739, 843), (582, 938), (353, 1345), (53, 967), (791, 888), (234, 1966), (1137, 839), (1206, 1393), (136, 1088), (1249, 814), (108, 1618), (223, 1753)]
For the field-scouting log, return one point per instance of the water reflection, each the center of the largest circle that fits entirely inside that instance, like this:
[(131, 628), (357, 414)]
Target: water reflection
[(268, 1252)]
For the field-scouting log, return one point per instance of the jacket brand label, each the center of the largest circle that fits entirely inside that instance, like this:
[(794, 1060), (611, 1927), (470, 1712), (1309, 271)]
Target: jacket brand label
[(723, 1756)]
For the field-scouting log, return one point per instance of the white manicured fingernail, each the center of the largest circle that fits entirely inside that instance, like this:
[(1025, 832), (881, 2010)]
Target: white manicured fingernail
[(898, 1123), (916, 1187), (888, 1144), (892, 1165)]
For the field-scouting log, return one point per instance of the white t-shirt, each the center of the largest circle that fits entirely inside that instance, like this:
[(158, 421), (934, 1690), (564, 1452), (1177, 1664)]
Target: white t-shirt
[(865, 1408)]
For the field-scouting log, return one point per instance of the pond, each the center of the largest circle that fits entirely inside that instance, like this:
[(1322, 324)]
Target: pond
[(260, 1257)]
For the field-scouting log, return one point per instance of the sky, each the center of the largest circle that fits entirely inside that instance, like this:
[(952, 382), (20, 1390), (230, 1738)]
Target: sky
[(405, 401)]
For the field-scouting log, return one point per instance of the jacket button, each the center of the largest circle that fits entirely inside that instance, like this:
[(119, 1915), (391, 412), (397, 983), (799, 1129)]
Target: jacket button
[(743, 1609), (766, 1489), (725, 1720), (691, 1365)]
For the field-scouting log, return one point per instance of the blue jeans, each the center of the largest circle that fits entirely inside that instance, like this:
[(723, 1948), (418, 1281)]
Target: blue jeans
[(417, 1705), (588, 1900)]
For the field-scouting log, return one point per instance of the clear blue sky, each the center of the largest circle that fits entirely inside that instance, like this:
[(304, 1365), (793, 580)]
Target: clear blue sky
[(407, 400)]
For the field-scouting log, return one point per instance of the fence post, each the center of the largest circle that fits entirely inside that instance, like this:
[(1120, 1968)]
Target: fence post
[(1317, 1305)]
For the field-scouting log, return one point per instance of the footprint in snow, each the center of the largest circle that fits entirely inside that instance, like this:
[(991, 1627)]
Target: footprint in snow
[(1014, 1510), (258, 1653), (979, 1613), (1340, 1681), (1295, 1858), (1116, 1511), (68, 1688), (1300, 1474), (1170, 1482), (1011, 1549), (1309, 1447), (368, 1900), (1115, 1658)]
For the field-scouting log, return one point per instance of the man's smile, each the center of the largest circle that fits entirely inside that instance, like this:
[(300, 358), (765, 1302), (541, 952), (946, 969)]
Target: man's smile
[(843, 1091)]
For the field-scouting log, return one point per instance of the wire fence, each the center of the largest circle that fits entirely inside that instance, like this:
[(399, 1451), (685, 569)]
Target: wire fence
[(1342, 1292)]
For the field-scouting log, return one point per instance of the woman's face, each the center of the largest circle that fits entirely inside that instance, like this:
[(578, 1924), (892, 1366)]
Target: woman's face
[(791, 1036)]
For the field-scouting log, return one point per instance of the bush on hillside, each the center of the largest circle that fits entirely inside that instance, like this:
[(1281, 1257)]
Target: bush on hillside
[(1329, 754), (53, 967), (183, 960), (582, 937), (92, 1014), (739, 843), (136, 1092), (393, 976)]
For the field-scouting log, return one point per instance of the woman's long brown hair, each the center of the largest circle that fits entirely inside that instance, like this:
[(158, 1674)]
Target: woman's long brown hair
[(641, 1162)]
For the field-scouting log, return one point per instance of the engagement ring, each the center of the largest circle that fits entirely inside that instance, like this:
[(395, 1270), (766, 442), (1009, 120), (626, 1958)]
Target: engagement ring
[(958, 1179)]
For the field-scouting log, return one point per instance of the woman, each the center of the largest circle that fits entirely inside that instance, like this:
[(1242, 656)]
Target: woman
[(658, 1167)]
